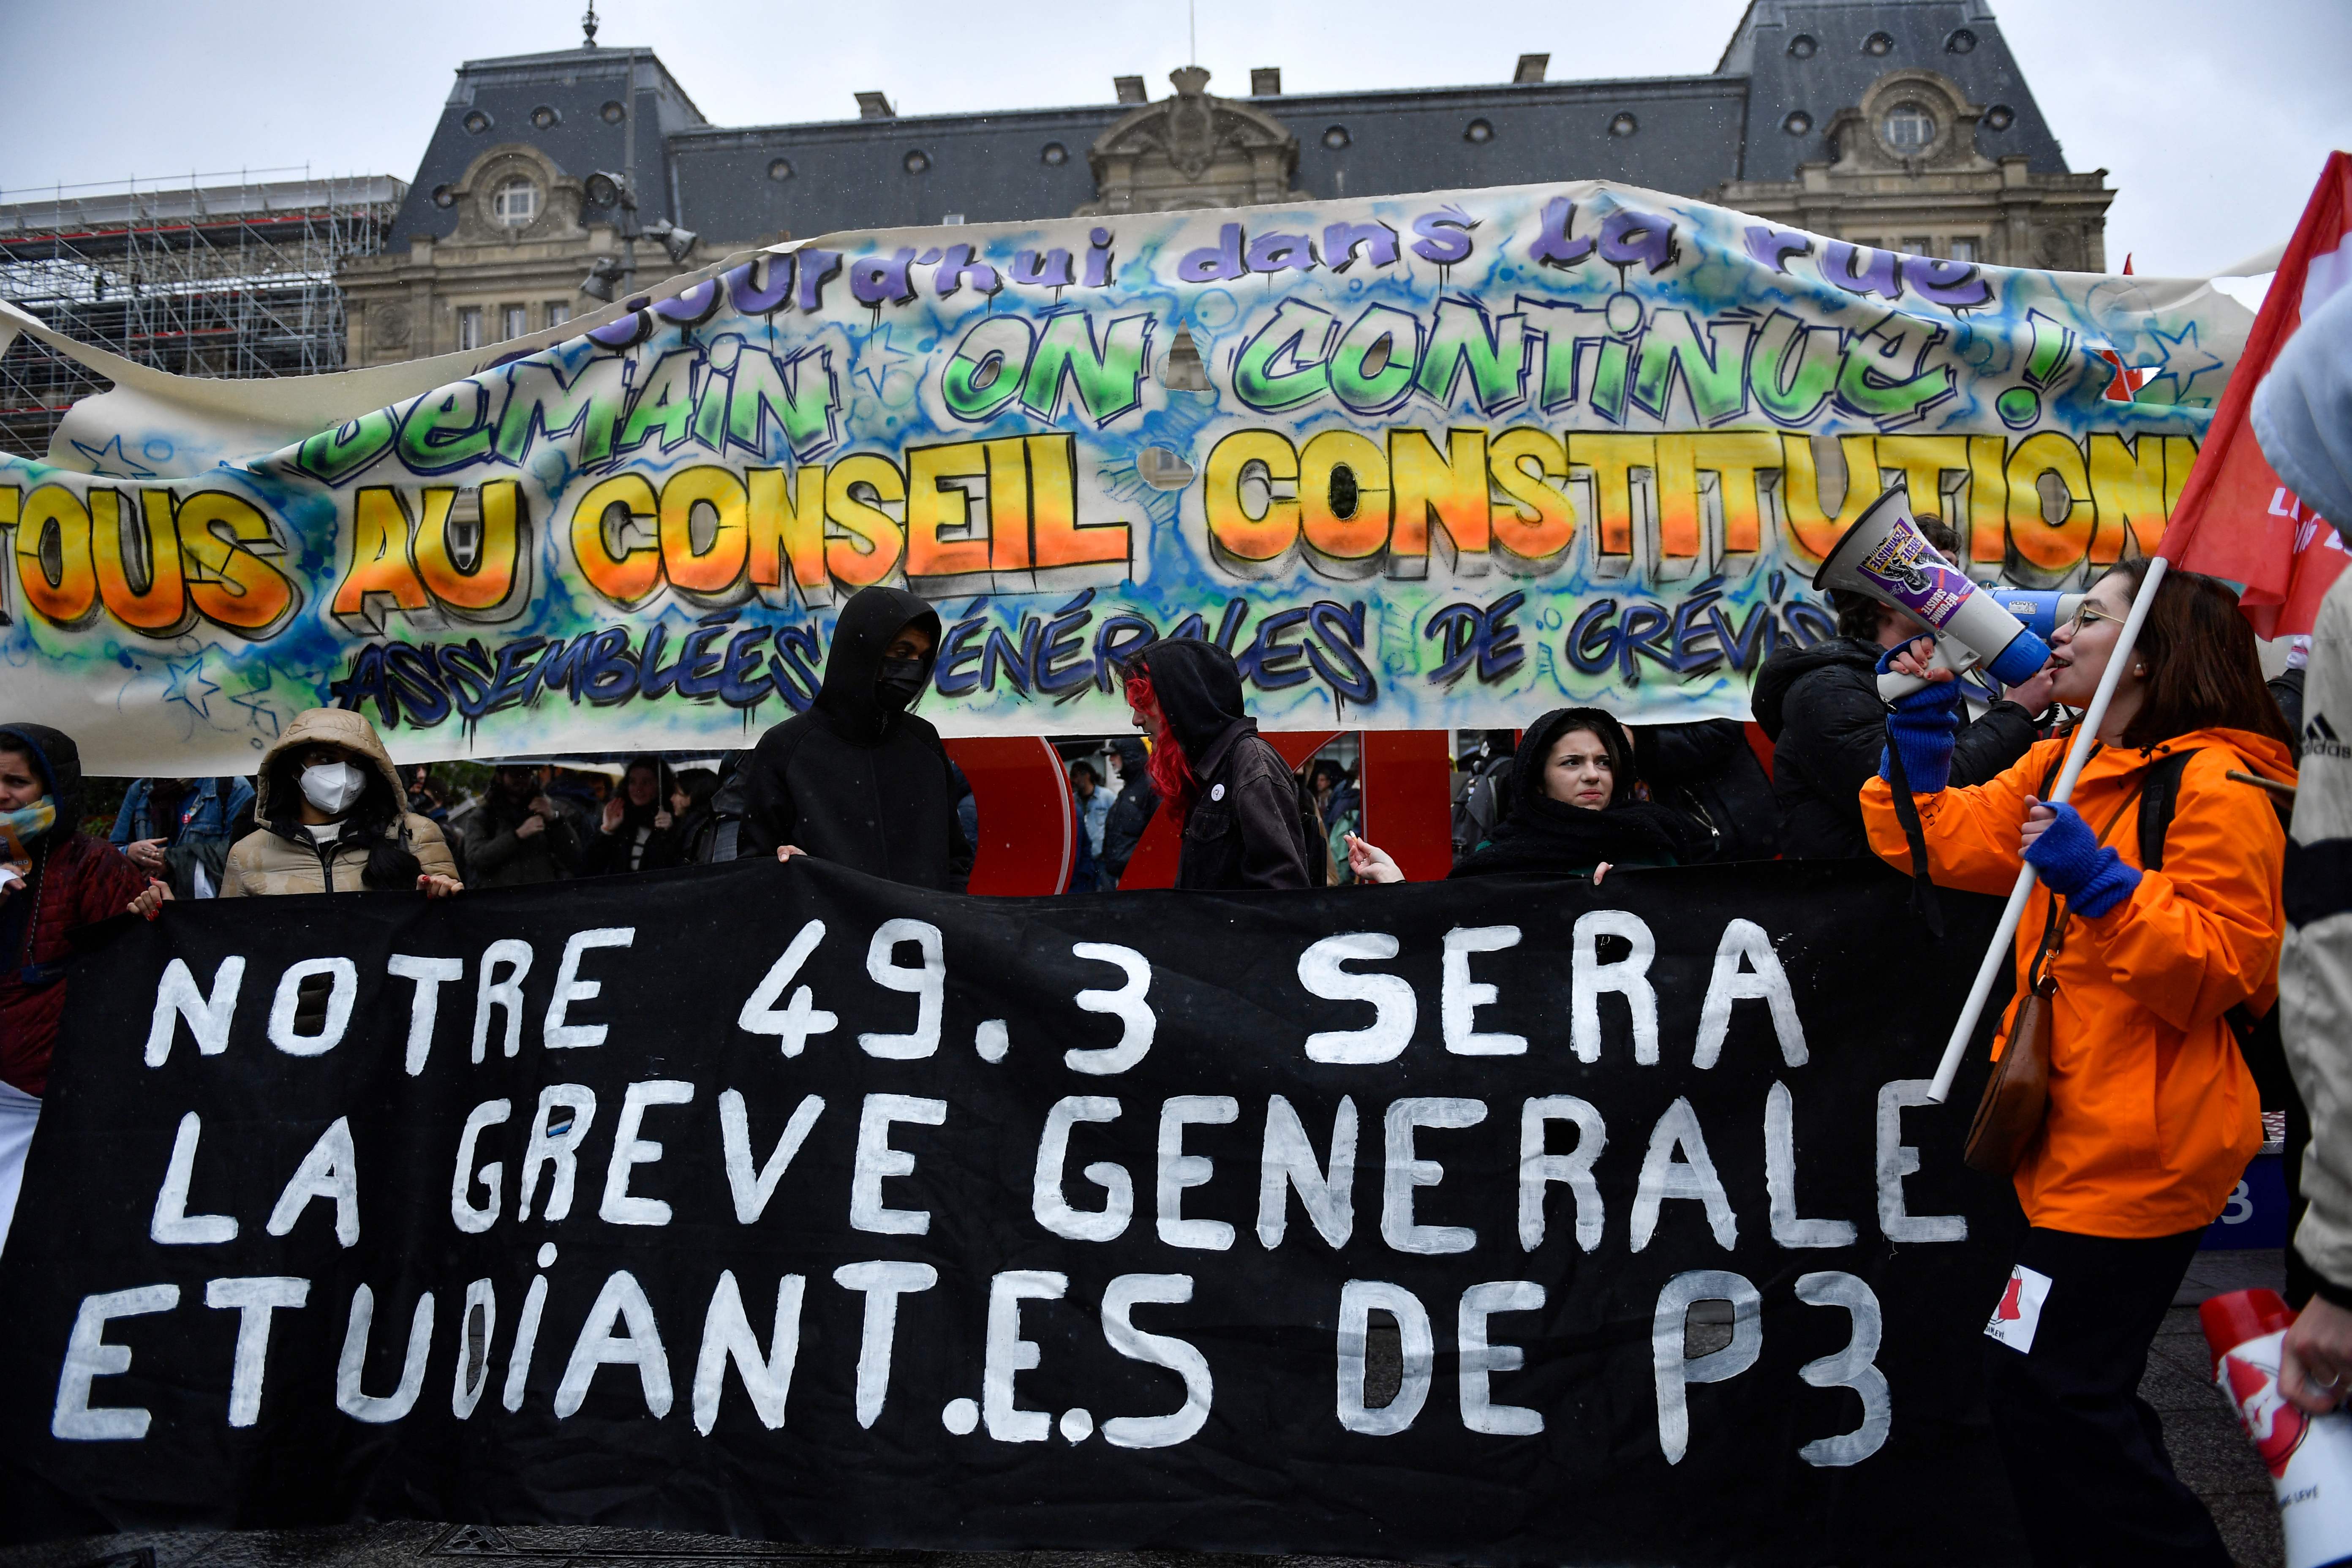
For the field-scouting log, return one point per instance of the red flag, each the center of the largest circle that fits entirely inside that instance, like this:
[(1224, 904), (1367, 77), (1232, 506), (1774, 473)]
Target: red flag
[(2235, 518)]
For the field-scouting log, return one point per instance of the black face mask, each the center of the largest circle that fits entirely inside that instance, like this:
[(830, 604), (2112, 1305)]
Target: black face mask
[(900, 682)]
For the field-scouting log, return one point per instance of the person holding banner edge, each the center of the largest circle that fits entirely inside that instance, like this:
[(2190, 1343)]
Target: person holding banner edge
[(333, 818), (2152, 1113), (857, 779), (1573, 812), (54, 880)]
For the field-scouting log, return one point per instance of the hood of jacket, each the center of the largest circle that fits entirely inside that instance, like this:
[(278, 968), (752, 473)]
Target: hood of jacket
[(338, 727), (866, 626), (58, 761), (1535, 750), (2302, 412), (1200, 689), (2263, 756), (1790, 664)]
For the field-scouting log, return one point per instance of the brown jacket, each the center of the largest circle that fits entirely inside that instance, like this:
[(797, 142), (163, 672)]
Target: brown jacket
[(271, 860)]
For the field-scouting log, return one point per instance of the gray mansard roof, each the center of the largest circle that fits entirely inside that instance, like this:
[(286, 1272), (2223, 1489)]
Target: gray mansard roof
[(1687, 134), (575, 85), (1958, 37)]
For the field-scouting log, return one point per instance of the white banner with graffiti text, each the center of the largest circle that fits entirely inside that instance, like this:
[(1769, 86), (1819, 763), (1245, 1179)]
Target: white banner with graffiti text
[(1418, 462)]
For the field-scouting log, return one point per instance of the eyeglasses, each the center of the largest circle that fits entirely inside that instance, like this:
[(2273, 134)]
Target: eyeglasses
[(2087, 613)]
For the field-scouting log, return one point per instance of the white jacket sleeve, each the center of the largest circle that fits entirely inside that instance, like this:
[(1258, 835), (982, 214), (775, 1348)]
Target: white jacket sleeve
[(2316, 965)]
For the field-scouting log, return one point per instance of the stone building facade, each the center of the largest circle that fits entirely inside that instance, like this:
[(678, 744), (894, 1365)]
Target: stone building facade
[(1906, 124)]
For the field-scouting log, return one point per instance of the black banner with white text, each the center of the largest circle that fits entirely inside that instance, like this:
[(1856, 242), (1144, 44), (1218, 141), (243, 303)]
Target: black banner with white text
[(1498, 1222)]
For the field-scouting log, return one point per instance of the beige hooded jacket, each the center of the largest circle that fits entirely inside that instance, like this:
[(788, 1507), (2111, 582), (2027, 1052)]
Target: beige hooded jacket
[(269, 861)]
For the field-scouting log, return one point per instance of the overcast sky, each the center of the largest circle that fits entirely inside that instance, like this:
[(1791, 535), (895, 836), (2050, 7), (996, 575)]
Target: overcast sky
[(2211, 119)]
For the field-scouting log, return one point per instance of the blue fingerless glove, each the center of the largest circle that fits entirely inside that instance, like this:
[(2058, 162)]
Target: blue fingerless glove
[(2091, 875), (1920, 727)]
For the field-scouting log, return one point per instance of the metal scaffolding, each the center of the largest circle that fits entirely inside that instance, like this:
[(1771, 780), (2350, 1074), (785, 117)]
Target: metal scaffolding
[(216, 279)]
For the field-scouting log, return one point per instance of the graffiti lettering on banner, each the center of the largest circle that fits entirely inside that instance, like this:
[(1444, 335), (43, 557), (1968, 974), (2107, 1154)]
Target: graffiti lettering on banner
[(1417, 462)]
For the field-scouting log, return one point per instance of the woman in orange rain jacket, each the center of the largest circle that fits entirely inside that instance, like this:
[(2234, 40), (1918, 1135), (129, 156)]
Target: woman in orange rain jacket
[(2152, 1112)]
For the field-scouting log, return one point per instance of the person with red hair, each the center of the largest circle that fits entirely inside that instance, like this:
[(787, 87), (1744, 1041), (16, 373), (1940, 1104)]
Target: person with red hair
[(1231, 792)]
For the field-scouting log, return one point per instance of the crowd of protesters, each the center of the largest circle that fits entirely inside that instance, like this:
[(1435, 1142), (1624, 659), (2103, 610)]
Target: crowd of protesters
[(2151, 935)]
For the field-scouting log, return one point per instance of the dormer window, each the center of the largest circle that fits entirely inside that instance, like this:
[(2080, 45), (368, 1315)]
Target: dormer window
[(515, 204), (1908, 128)]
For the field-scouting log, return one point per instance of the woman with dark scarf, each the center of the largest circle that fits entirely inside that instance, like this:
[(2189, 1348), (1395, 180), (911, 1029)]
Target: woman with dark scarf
[(638, 830), (1573, 811)]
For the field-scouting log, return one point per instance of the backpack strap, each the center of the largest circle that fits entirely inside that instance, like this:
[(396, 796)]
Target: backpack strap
[(2159, 798), (2159, 801)]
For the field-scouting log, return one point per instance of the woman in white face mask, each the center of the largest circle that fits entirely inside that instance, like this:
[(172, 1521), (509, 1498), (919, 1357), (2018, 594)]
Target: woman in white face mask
[(331, 819)]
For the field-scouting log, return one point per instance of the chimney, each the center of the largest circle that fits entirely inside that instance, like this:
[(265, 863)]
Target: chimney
[(1266, 82), (1531, 70), (875, 106), (1130, 88)]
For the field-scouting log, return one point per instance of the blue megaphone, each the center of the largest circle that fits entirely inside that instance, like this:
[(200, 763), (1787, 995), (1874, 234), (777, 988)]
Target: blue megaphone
[(2042, 610)]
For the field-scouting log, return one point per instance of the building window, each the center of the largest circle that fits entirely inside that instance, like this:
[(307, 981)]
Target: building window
[(1961, 41), (1799, 123), (1878, 43), (558, 312), (476, 123), (1623, 125), (546, 117), (1917, 245), (1335, 137), (470, 327), (516, 203), (1908, 127), (1964, 249), (443, 196), (514, 322), (1803, 46), (917, 161), (613, 113), (780, 169), (2000, 117), (1054, 154), (1478, 131)]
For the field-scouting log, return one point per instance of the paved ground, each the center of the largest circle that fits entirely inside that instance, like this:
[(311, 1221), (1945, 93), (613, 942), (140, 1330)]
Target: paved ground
[(2207, 1449)]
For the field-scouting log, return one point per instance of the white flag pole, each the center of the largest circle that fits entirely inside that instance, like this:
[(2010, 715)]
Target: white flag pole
[(1998, 954)]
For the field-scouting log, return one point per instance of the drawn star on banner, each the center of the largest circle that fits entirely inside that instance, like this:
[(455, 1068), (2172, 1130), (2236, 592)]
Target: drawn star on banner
[(112, 452), (2181, 359), (190, 685), (878, 360)]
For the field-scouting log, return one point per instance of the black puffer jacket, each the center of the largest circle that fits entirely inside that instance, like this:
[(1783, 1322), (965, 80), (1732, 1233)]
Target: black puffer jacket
[(1707, 765), (855, 780), (1244, 830), (1821, 706), (1130, 814)]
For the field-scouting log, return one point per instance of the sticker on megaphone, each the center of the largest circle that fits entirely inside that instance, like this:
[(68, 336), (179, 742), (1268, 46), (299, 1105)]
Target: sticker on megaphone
[(1885, 556), (2042, 610)]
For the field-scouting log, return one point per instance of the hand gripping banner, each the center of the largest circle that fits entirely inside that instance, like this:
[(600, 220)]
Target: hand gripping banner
[(1566, 1225), (1418, 462)]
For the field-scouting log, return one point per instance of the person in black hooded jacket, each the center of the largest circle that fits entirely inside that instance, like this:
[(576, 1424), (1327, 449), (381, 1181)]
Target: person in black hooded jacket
[(1235, 798), (1130, 814), (1821, 707), (1573, 811), (857, 779)]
